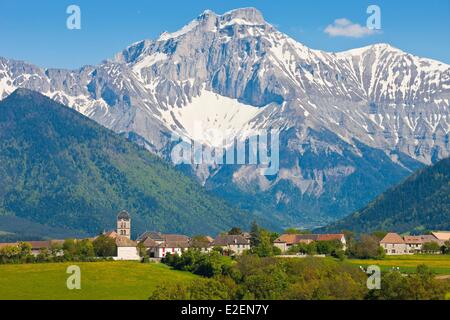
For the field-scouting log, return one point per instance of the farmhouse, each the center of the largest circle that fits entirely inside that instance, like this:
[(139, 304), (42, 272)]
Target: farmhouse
[(232, 244), (394, 244), (415, 243), (203, 244), (286, 241), (158, 245)]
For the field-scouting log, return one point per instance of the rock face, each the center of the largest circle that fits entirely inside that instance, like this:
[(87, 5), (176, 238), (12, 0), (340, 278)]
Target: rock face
[(352, 123)]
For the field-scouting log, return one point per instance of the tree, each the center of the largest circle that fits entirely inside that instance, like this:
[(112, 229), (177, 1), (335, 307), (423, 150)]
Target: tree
[(379, 234), (143, 252), (328, 247), (254, 234), (25, 248), (291, 231), (265, 247), (431, 247), (69, 248), (85, 249), (235, 231), (366, 248), (199, 242), (56, 249), (209, 265), (44, 255), (104, 246), (19, 253), (319, 279), (419, 286), (10, 254), (349, 235), (446, 248), (301, 248), (311, 248), (202, 289), (267, 284)]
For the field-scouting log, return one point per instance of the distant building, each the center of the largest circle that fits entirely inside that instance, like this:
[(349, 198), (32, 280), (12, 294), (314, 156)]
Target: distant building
[(233, 244), (443, 236), (394, 244), (158, 245), (111, 234), (415, 243), (126, 249), (209, 239), (286, 241), (204, 244)]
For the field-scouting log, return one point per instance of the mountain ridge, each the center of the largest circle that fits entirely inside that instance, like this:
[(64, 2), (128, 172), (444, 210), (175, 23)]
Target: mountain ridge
[(63, 171), (419, 203), (325, 104)]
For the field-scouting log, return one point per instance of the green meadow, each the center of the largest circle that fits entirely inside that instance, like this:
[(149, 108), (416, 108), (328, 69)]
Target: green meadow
[(439, 264), (136, 281), (99, 281)]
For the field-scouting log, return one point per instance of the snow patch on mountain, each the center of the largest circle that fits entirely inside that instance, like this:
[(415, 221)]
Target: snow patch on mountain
[(148, 61), (187, 28), (210, 113)]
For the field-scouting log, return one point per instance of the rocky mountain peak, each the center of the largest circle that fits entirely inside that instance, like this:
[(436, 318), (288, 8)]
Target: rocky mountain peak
[(235, 71), (247, 15)]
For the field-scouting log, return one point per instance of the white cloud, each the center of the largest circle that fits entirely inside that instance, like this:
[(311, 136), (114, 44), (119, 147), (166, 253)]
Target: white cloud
[(345, 28)]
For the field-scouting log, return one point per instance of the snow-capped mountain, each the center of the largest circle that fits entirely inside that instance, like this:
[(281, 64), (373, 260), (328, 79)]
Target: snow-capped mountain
[(352, 122)]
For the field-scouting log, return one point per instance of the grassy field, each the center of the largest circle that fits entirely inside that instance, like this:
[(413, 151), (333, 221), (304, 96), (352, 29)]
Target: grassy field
[(99, 281), (440, 264)]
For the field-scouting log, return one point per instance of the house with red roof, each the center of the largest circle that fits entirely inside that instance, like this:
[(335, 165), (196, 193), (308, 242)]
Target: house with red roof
[(394, 244)]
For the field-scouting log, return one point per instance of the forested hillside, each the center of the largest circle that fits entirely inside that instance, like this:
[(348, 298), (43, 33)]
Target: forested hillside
[(69, 175), (422, 202)]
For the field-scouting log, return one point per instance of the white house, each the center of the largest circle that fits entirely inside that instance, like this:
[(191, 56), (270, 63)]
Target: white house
[(172, 248), (394, 244), (126, 249)]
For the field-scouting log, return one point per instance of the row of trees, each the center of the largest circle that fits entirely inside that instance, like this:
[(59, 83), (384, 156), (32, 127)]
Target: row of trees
[(203, 264), (69, 250), (434, 248), (252, 277)]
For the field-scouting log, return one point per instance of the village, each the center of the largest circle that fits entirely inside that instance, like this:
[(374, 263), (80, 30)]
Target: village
[(158, 246)]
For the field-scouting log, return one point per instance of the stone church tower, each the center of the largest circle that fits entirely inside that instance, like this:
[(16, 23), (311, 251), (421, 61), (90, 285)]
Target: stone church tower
[(124, 224)]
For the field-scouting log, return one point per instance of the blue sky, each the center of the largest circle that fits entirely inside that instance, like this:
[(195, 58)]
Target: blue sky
[(36, 31)]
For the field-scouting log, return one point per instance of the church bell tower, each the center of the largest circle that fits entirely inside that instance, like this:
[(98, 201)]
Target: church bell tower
[(124, 224)]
